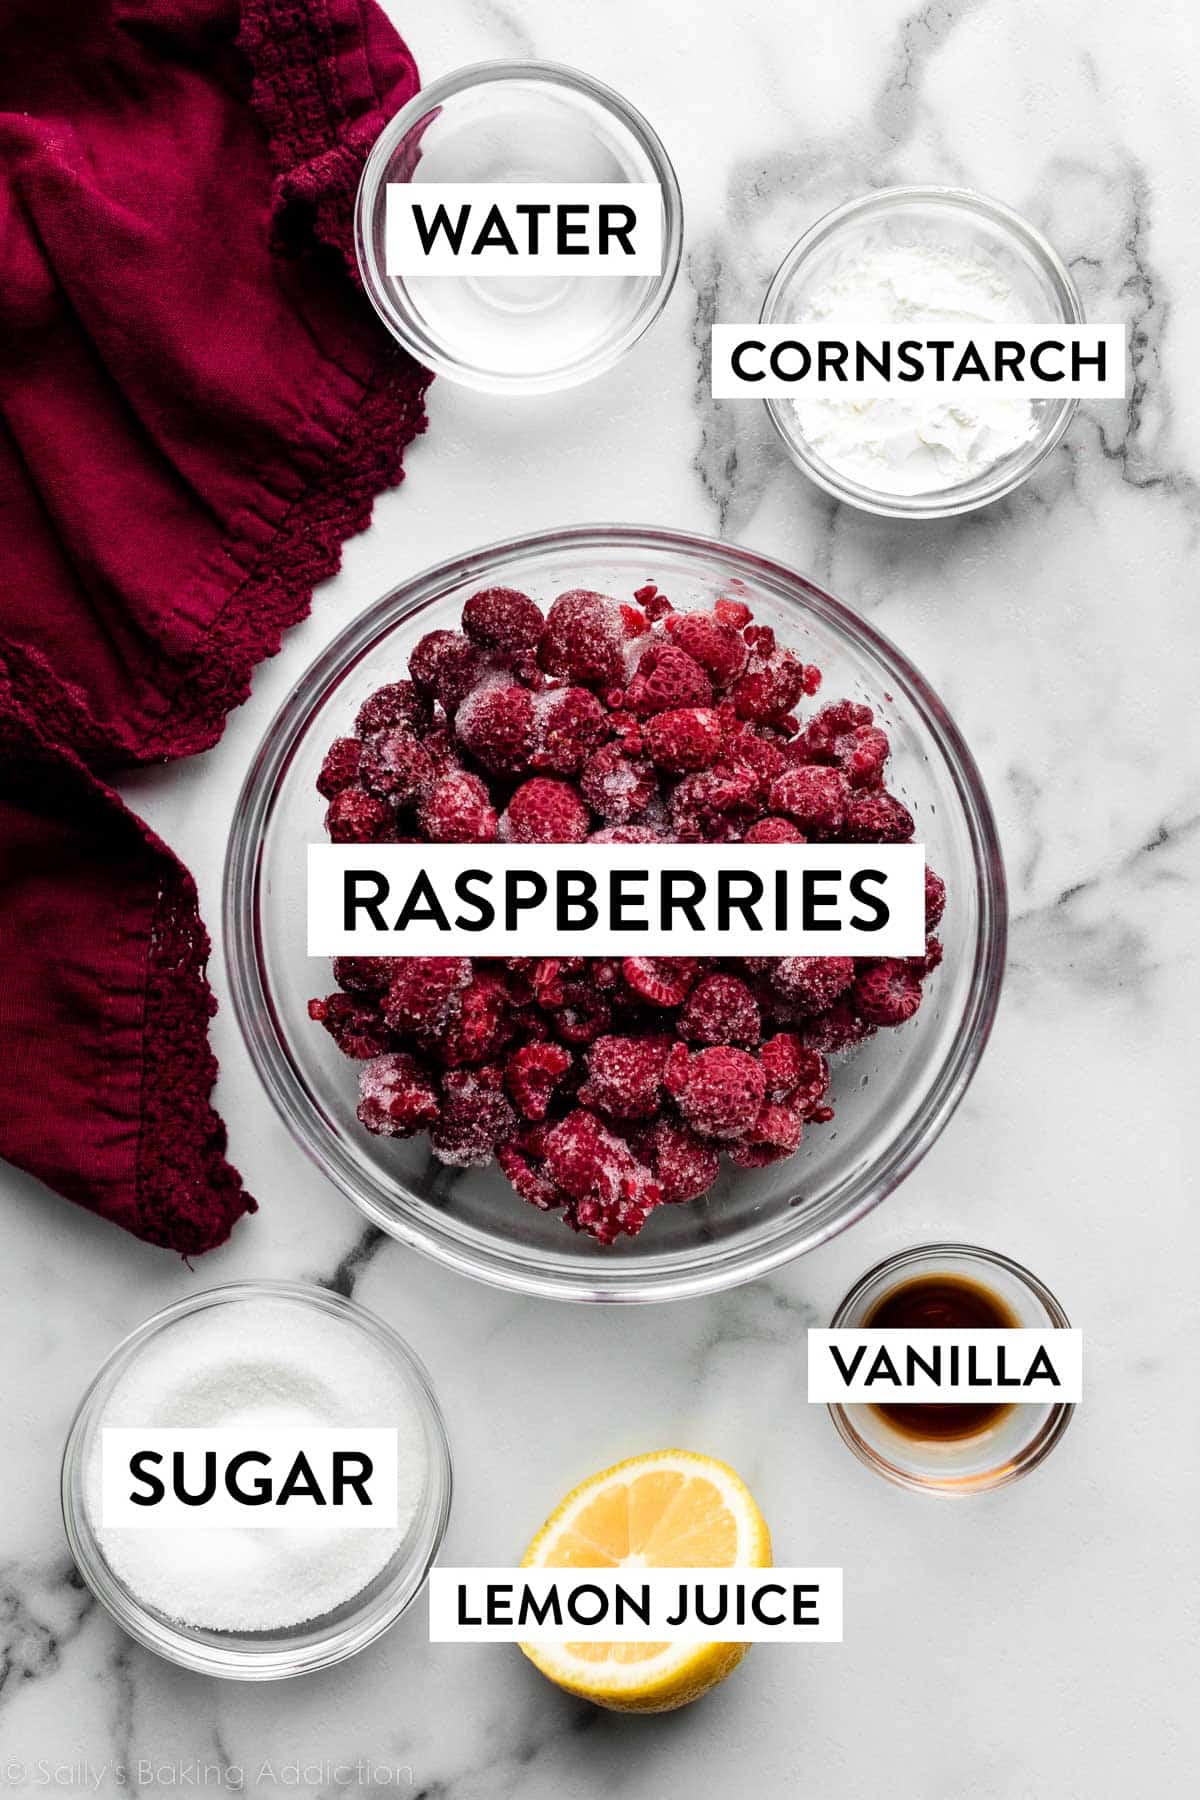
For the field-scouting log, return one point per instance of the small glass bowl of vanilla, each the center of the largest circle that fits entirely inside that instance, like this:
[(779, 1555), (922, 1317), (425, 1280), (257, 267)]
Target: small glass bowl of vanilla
[(951, 1448)]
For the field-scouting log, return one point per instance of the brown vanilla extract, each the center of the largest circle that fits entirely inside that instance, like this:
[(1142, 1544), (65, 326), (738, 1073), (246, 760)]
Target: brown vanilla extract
[(941, 1302)]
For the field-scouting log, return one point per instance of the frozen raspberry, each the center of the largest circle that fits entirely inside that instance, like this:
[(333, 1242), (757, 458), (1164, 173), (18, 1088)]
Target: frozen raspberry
[(689, 738), (503, 619), (340, 768), (932, 959), (662, 980), (529, 1183), (612, 1192), (353, 817), (553, 979), (425, 994), (625, 1076), (397, 1096), (713, 805), (815, 797), (666, 679), (794, 1072), (733, 612), (747, 1155), (605, 1220), (775, 831), (770, 687), (364, 974), (400, 704), (719, 649), (845, 735), (482, 1025), (627, 732), (887, 992), (617, 787), (718, 1091), (935, 899), (548, 979), (777, 1127), (583, 1016), (584, 639), (864, 765), (582, 1154), (532, 1073), (531, 1135), (582, 1019), (442, 750), (427, 653), (457, 810), (525, 669), (357, 1030), (841, 1028), (876, 817), (839, 719), (476, 1119), (570, 722), (656, 606), (684, 1164), (396, 767), (720, 1010), (447, 665), (811, 983), (496, 724), (766, 760), (626, 834), (546, 812)]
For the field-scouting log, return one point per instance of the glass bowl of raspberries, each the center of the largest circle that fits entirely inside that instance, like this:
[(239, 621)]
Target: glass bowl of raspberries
[(619, 1129)]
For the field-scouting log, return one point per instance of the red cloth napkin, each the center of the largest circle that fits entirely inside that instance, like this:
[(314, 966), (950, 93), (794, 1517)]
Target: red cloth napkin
[(196, 408)]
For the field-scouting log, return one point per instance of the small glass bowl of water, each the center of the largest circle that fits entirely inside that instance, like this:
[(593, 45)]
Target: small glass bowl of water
[(516, 122)]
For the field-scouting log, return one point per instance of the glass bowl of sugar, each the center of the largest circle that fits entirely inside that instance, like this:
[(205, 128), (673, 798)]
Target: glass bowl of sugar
[(926, 258), (248, 1602), (535, 125)]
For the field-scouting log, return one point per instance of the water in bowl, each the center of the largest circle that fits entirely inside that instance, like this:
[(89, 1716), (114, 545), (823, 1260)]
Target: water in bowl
[(528, 325)]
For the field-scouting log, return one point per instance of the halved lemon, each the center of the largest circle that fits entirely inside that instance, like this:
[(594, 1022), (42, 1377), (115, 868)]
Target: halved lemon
[(669, 1510)]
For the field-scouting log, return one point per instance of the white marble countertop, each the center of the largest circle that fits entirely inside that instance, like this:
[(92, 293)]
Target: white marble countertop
[(1031, 1645)]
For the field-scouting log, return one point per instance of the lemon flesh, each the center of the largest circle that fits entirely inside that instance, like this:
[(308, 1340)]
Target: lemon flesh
[(670, 1509)]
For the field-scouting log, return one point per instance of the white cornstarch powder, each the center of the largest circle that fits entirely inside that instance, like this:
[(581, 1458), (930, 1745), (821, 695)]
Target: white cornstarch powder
[(258, 1363), (902, 443)]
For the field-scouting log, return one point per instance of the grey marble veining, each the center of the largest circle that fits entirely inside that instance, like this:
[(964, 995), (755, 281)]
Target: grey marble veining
[(1036, 1645)]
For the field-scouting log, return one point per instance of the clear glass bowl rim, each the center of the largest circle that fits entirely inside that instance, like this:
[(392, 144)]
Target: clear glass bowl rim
[(543, 1273), (1033, 1453), (949, 502), (276, 1660), (555, 75)]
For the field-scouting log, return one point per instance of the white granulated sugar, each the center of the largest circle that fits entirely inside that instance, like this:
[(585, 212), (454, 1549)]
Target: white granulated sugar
[(900, 443), (263, 1363)]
